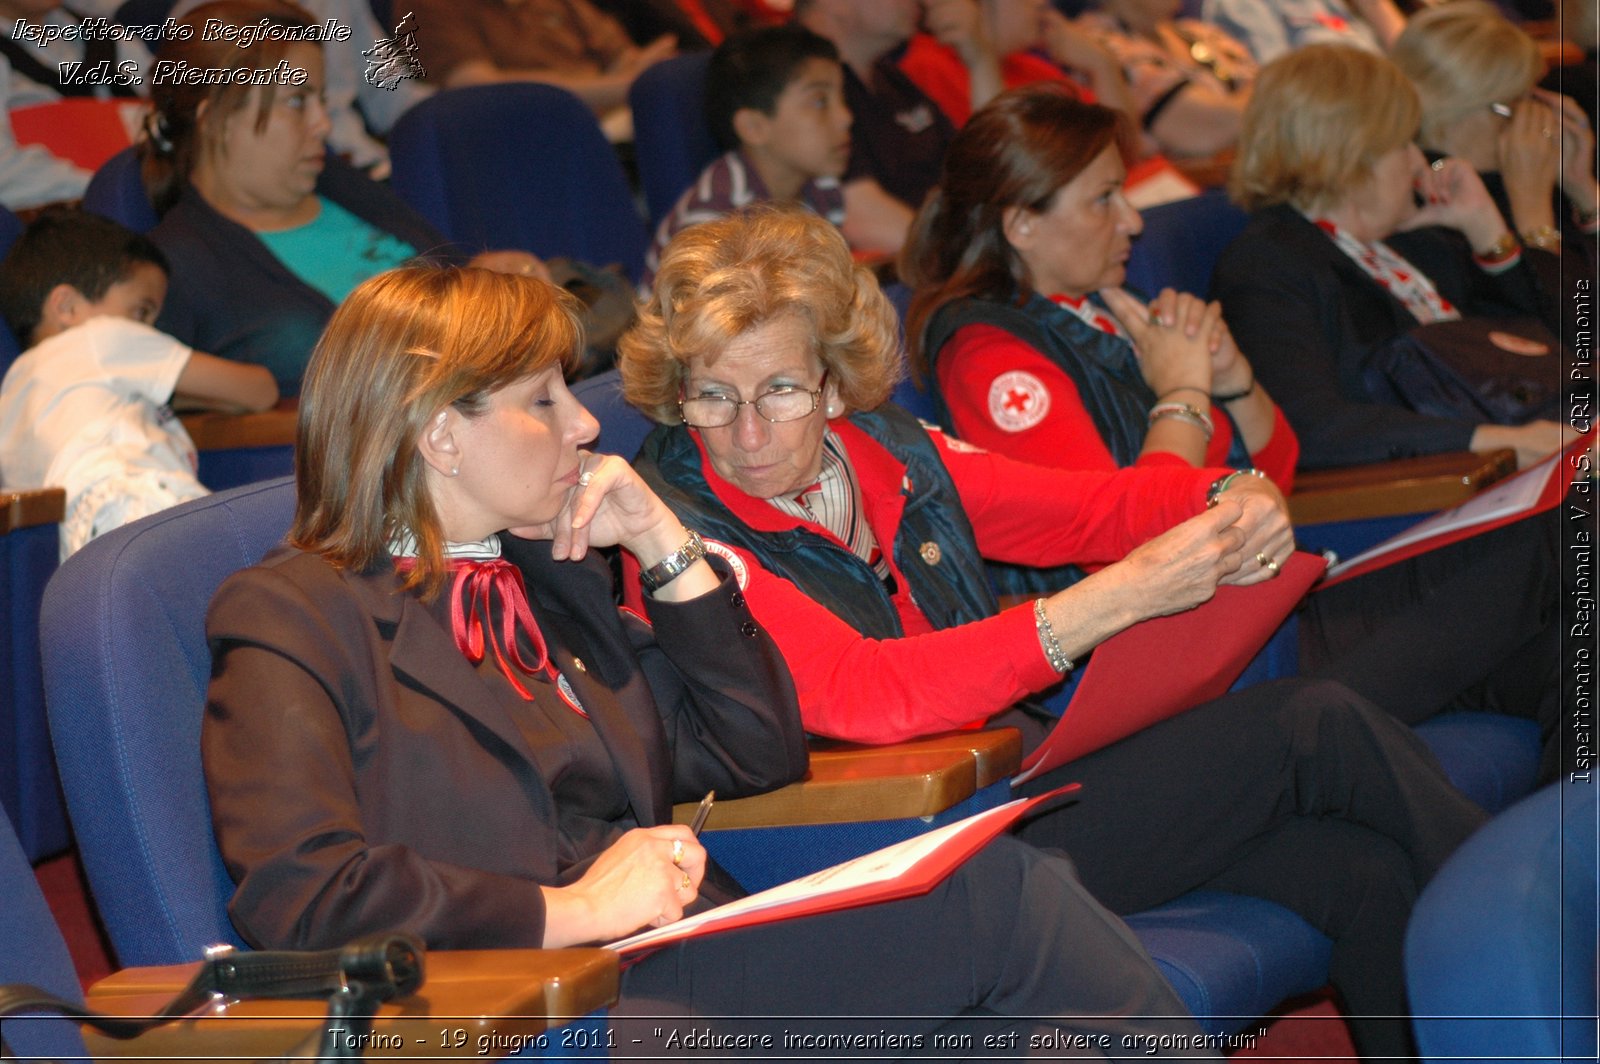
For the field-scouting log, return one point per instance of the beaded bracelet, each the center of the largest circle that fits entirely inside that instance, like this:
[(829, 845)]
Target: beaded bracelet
[(1183, 412), (1047, 639)]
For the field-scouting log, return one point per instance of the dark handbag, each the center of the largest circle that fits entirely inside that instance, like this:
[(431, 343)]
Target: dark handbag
[(355, 980), (1504, 371)]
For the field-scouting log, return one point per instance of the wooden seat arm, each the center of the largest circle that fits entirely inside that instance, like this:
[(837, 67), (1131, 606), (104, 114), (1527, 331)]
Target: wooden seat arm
[(472, 997), (849, 782), (214, 430), (1387, 489), (36, 506)]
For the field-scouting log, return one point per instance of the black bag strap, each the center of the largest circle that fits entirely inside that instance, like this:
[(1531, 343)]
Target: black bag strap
[(96, 50), (355, 979)]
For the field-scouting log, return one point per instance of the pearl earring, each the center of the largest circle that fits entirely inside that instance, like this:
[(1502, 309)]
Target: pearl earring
[(455, 470)]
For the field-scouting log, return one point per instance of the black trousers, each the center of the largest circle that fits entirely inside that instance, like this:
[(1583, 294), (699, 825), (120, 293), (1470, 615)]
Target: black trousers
[(1473, 626), (1011, 934), (1297, 791)]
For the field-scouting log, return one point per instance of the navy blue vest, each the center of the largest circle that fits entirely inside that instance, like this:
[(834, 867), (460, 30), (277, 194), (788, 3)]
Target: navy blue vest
[(951, 590)]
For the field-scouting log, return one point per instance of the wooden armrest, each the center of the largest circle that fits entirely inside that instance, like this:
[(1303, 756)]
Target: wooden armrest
[(37, 506), (216, 431), (496, 995), (849, 783), (1386, 489)]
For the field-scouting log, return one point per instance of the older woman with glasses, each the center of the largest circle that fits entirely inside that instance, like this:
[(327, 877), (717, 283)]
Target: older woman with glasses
[(858, 537)]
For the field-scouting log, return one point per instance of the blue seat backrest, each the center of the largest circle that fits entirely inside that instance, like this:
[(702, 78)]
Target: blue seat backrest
[(622, 428), (126, 668), (1181, 242), (1502, 943), (10, 229), (28, 786), (671, 138), (518, 166), (32, 952), (117, 192)]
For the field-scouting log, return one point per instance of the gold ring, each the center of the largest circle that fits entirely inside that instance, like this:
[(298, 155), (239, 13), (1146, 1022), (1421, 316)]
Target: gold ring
[(688, 884), (1263, 561), (1273, 566), (677, 853)]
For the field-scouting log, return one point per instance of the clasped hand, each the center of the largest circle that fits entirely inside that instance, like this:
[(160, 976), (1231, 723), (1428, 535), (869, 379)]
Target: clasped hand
[(609, 506), (1181, 341)]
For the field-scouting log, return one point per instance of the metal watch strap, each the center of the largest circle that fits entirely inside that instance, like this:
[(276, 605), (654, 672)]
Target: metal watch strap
[(667, 569)]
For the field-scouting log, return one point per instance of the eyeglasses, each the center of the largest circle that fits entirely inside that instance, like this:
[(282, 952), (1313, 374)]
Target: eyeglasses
[(787, 403)]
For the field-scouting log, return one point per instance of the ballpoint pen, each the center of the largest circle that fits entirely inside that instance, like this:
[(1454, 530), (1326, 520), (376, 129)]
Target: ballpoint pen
[(704, 811)]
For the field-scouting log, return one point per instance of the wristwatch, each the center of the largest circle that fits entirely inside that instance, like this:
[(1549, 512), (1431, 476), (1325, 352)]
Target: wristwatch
[(667, 569)]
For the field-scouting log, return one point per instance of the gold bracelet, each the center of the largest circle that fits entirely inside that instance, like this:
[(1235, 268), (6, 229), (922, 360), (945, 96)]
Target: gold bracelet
[(1047, 639), (1500, 251), (1545, 238)]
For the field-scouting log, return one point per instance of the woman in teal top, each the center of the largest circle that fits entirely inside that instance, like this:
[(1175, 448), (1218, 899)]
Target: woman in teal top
[(266, 233)]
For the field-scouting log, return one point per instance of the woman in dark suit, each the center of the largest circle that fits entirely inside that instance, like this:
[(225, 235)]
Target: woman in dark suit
[(1339, 260), (427, 713)]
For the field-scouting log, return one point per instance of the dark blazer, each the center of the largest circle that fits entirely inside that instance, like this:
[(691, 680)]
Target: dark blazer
[(1307, 316), (364, 777), (230, 296)]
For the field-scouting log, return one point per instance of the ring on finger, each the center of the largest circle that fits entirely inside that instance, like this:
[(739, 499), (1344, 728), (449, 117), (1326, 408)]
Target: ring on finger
[(687, 884), (1155, 319), (585, 477), (1262, 560), (677, 853), (1272, 567)]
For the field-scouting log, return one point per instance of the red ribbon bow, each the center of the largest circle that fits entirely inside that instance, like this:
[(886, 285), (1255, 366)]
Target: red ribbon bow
[(478, 583)]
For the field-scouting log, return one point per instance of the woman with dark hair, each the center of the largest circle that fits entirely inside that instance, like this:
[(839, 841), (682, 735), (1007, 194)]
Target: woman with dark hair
[(1034, 351), (858, 537), (426, 712), (265, 232)]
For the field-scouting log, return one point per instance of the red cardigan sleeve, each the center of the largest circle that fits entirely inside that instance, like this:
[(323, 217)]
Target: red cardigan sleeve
[(887, 690), (1006, 396)]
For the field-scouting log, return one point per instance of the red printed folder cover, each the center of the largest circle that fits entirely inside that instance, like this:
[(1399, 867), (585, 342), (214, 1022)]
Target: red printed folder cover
[(83, 131), (1532, 491), (903, 870), (1163, 666)]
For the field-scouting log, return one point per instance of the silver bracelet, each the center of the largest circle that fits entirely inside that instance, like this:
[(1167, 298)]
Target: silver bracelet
[(1184, 412), (1220, 485), (1047, 639), (667, 569)]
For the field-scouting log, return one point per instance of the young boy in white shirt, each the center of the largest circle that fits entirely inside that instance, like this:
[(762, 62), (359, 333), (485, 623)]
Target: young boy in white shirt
[(85, 406)]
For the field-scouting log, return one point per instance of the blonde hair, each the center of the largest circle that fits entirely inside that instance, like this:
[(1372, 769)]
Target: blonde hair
[(1462, 57), (722, 278), (1318, 119), (402, 347)]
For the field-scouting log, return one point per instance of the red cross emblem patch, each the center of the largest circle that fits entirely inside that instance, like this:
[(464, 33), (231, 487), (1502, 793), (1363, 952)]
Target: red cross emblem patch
[(1018, 400)]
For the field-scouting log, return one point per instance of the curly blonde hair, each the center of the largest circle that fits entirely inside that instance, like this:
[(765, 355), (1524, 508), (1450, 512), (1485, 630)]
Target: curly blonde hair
[(1317, 121), (722, 278)]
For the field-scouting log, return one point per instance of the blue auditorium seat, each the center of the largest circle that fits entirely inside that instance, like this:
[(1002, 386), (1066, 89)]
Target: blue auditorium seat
[(1501, 949), (1181, 242), (671, 138), (126, 668), (517, 166), (10, 229), (32, 952), (30, 543), (622, 428), (117, 192)]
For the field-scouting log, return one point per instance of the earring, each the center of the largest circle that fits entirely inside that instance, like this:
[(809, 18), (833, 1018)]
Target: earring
[(833, 409), (455, 470)]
